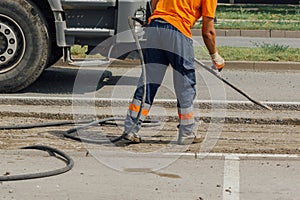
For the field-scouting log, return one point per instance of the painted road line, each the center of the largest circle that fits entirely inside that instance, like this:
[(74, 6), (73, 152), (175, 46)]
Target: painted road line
[(201, 155), (216, 106), (239, 155), (79, 98), (231, 180)]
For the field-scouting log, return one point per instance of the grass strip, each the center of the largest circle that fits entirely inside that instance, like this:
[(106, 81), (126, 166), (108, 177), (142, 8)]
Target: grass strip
[(260, 54), (254, 17), (259, 12)]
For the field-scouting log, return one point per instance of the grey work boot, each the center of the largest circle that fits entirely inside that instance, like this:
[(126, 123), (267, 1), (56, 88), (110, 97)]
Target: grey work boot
[(189, 139), (133, 137)]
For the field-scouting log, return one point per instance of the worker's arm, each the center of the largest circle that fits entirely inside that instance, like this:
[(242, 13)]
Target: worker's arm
[(209, 38), (209, 34), (153, 4)]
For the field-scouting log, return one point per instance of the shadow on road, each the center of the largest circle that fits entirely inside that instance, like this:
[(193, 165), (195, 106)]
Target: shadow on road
[(59, 80)]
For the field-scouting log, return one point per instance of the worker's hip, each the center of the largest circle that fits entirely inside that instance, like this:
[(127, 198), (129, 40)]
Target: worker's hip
[(164, 37)]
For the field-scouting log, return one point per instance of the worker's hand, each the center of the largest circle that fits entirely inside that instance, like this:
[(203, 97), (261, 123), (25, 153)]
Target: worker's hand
[(218, 61)]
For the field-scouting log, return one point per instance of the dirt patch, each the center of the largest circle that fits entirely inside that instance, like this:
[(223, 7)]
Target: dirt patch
[(226, 138)]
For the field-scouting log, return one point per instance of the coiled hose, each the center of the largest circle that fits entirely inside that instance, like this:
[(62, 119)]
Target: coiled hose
[(52, 152)]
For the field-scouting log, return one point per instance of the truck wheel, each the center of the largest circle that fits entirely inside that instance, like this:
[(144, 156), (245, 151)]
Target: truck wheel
[(24, 43)]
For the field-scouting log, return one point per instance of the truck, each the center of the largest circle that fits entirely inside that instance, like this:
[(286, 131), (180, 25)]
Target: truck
[(35, 34)]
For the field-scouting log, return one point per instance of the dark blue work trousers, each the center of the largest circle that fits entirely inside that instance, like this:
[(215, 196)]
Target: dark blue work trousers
[(167, 46)]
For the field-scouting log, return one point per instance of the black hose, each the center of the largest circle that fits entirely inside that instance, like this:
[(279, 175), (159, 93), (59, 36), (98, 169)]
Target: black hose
[(68, 160), (41, 125), (88, 123), (143, 78), (104, 122), (68, 133), (52, 152)]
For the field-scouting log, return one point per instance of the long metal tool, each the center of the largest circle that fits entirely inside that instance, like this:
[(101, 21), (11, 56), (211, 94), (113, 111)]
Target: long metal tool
[(231, 85)]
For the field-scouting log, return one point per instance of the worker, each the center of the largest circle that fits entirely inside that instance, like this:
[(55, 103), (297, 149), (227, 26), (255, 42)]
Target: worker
[(169, 42)]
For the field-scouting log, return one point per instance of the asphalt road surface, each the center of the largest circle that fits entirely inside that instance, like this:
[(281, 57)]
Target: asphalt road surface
[(264, 85), (227, 177), (249, 160), (236, 161)]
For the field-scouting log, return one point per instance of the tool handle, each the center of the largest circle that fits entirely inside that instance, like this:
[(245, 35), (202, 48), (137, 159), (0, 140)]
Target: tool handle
[(231, 85)]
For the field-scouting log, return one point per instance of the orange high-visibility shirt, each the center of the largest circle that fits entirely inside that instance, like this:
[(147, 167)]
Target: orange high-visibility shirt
[(183, 14)]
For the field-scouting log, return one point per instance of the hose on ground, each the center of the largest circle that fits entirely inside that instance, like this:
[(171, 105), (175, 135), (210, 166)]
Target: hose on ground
[(39, 125), (69, 133), (106, 121), (52, 152), (61, 155)]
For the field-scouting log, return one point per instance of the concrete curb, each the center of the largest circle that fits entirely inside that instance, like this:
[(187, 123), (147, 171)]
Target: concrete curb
[(252, 33), (166, 103), (262, 66), (230, 65)]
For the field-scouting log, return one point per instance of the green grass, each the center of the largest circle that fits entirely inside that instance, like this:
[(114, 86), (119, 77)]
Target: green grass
[(262, 52), (79, 51), (270, 53), (255, 12), (253, 17), (271, 48)]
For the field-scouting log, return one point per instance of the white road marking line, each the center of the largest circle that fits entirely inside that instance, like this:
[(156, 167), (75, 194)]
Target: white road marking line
[(231, 181), (73, 98), (239, 155)]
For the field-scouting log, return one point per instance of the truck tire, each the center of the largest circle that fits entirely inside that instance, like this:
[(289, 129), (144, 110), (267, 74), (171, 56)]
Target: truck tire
[(24, 44)]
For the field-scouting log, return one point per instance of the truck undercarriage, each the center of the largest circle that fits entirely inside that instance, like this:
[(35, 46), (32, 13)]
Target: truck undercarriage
[(35, 34)]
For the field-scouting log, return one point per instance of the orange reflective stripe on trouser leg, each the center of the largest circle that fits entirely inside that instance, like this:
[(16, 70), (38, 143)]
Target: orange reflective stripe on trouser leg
[(186, 116), (186, 119), (136, 108)]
